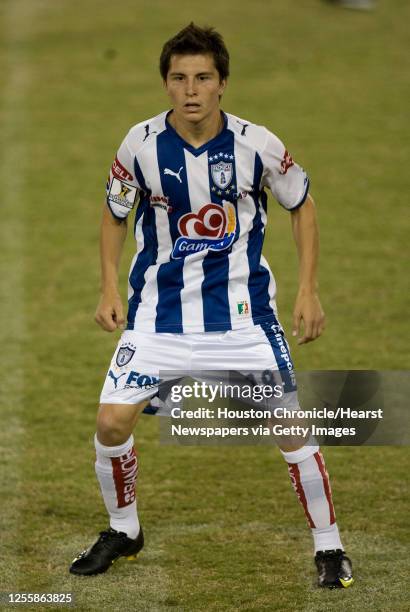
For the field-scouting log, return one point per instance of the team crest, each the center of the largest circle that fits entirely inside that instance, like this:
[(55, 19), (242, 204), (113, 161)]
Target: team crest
[(124, 355), (222, 173)]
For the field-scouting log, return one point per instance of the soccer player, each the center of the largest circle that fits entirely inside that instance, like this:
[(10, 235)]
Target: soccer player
[(200, 294)]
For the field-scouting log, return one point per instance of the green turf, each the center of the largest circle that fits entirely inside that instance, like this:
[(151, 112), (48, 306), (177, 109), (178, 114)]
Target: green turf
[(224, 531)]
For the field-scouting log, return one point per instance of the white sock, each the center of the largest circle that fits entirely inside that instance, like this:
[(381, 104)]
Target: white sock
[(117, 468), (327, 538), (310, 481)]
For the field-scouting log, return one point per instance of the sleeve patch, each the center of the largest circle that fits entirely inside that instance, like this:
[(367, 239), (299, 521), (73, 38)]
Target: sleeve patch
[(286, 163), (120, 172), (122, 194)]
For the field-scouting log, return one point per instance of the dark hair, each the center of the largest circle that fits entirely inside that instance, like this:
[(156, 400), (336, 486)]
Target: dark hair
[(194, 40)]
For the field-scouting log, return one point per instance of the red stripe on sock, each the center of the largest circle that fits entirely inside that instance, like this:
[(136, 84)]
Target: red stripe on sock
[(124, 471), (326, 484), (297, 485)]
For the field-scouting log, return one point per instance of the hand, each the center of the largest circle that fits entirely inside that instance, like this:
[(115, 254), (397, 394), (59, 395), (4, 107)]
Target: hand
[(110, 314), (309, 310)]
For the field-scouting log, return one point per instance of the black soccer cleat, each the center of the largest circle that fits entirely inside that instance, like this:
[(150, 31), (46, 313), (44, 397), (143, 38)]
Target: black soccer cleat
[(334, 568), (110, 546)]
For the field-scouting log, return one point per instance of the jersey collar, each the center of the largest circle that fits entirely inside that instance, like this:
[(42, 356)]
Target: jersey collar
[(189, 147)]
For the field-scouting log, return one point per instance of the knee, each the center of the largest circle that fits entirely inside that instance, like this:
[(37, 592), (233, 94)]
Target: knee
[(111, 431)]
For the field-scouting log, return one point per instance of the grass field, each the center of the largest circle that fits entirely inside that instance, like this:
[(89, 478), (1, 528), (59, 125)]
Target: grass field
[(224, 531)]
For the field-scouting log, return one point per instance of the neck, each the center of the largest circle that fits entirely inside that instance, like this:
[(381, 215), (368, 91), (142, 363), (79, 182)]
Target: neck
[(197, 134)]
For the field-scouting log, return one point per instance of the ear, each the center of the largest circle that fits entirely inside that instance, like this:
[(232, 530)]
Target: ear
[(222, 85)]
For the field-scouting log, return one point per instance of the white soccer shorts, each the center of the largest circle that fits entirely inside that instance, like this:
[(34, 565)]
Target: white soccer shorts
[(141, 358)]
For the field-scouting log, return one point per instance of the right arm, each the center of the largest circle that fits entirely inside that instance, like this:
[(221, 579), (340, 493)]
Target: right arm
[(110, 314), (122, 191)]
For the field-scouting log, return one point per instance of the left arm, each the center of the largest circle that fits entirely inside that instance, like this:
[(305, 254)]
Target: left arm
[(307, 306)]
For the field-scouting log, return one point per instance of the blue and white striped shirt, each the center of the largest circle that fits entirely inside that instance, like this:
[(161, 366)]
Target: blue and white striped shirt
[(200, 223)]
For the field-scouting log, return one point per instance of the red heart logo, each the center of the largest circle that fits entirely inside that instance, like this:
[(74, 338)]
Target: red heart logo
[(210, 222)]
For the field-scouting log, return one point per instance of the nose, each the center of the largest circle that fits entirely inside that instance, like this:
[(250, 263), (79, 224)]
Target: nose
[(191, 87)]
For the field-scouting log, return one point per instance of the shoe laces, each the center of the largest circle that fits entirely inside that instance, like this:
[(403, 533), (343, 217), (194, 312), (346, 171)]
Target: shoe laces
[(109, 534), (330, 559), (337, 553)]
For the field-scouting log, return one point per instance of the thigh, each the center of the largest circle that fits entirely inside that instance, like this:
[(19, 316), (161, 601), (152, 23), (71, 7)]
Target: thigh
[(255, 356)]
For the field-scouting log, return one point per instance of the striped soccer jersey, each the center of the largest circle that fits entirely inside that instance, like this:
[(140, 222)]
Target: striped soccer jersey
[(200, 223)]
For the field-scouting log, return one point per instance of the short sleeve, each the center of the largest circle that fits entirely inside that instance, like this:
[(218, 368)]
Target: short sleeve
[(122, 186), (287, 181)]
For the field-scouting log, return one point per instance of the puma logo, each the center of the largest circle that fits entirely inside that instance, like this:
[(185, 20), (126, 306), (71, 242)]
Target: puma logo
[(244, 126), (172, 173), (115, 378), (147, 132)]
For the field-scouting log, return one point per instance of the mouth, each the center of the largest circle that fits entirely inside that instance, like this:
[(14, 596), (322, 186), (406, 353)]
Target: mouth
[(192, 106)]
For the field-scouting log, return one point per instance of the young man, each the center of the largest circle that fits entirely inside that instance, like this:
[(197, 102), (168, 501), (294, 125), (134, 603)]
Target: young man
[(201, 295)]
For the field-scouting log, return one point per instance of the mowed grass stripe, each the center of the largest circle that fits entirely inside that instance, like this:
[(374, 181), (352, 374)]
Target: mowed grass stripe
[(13, 329)]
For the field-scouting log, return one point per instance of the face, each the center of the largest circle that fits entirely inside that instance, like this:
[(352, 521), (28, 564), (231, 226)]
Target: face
[(194, 86)]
